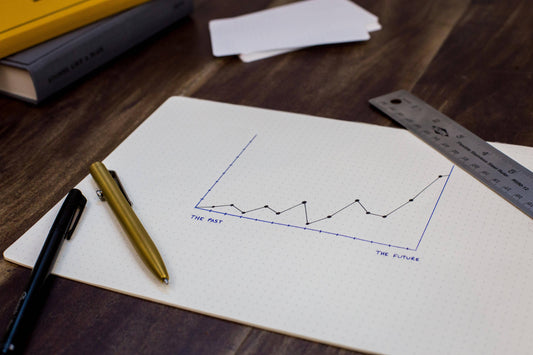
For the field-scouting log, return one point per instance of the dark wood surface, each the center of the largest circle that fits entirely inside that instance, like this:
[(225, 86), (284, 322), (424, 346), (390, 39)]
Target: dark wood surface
[(473, 60)]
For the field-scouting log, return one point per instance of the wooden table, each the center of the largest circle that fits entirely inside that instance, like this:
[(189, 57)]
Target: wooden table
[(473, 60)]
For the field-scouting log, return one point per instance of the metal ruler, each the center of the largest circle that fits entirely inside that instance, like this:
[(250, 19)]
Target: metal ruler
[(496, 170)]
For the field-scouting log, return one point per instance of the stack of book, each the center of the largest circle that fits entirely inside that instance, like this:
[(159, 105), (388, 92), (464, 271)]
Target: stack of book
[(45, 46)]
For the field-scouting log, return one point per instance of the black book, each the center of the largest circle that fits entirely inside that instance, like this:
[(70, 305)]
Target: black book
[(38, 72)]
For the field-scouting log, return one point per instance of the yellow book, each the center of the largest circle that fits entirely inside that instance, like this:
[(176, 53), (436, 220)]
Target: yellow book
[(24, 23)]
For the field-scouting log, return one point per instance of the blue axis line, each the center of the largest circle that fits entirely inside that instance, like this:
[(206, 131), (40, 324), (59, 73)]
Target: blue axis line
[(303, 228), (307, 228), (434, 208), (225, 171)]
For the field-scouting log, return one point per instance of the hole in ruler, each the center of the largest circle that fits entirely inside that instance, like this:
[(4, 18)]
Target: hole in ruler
[(396, 101)]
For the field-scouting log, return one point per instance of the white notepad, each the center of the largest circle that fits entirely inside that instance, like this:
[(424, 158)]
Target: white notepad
[(305, 226)]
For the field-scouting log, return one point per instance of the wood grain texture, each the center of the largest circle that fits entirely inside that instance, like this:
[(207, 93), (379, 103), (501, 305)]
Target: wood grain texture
[(483, 74), (472, 60)]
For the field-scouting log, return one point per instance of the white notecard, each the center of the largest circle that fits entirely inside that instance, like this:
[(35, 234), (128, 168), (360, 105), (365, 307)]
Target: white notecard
[(301, 24), (250, 57), (221, 190)]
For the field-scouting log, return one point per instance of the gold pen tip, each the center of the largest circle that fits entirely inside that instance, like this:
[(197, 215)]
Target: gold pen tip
[(165, 281)]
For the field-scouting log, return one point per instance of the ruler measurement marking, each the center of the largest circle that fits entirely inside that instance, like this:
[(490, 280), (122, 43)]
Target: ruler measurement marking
[(493, 168)]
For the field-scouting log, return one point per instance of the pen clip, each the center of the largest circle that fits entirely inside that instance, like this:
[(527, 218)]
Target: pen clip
[(75, 202), (117, 181), (74, 219)]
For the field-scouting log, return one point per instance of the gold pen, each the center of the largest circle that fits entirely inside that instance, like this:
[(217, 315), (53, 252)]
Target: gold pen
[(140, 239)]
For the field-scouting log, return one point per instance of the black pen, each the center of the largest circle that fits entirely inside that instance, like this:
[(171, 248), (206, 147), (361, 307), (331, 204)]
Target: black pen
[(27, 307)]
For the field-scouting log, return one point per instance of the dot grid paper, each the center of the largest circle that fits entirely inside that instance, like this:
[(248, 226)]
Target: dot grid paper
[(456, 278)]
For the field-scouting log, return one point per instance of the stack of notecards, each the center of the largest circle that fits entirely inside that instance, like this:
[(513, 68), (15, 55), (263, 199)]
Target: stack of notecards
[(290, 27)]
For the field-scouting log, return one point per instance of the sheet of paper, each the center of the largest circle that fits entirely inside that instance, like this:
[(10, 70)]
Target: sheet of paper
[(301, 24), (251, 57), (345, 233), (359, 14)]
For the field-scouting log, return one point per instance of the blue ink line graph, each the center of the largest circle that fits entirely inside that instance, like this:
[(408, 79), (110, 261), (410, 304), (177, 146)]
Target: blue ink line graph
[(355, 206)]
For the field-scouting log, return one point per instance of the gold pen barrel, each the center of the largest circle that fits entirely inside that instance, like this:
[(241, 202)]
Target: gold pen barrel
[(132, 225)]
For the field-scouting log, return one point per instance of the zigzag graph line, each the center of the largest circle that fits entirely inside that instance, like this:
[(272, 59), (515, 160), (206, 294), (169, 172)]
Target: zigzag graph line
[(304, 204)]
